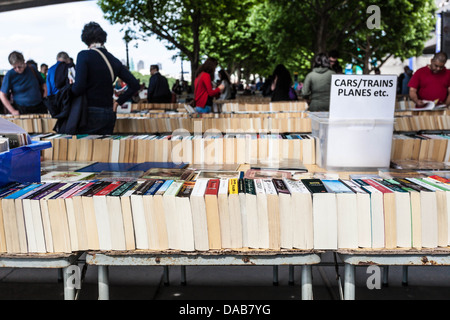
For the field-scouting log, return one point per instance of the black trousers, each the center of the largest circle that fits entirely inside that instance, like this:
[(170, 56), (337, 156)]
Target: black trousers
[(39, 108)]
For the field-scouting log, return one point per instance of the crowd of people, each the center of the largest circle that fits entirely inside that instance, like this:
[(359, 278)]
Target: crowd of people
[(91, 85)]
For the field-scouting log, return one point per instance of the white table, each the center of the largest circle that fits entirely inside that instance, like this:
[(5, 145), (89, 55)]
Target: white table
[(47, 260), (218, 258), (394, 257)]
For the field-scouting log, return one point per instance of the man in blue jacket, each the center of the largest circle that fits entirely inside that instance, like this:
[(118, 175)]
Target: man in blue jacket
[(57, 75)]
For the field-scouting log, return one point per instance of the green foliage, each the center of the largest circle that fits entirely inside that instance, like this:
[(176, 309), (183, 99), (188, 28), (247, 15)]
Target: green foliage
[(141, 77), (145, 78), (253, 36)]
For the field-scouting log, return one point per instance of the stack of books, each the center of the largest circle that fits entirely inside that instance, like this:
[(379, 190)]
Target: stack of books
[(209, 148), (186, 210)]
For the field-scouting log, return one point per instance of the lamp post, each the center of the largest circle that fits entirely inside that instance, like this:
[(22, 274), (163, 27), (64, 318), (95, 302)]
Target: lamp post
[(127, 38)]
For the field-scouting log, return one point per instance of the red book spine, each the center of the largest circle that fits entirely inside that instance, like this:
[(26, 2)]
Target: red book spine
[(108, 188), (378, 186), (439, 178), (212, 188), (88, 185)]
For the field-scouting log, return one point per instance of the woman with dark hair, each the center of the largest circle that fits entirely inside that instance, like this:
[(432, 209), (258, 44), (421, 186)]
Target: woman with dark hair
[(96, 71), (203, 91), (281, 84), (225, 80), (317, 84)]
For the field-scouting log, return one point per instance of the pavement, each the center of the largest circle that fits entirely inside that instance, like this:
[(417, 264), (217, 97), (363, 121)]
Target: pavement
[(227, 283)]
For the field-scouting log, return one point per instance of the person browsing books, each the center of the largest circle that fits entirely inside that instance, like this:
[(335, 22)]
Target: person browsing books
[(25, 85), (317, 84), (96, 69), (281, 84), (58, 74), (225, 80), (203, 91), (431, 83)]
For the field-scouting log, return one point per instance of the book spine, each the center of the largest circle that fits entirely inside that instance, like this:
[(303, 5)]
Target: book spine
[(213, 187), (164, 187), (22, 191), (377, 186), (108, 189), (123, 188), (391, 186), (49, 191), (186, 189), (269, 186), (409, 184), (96, 187), (259, 187), (280, 186), (353, 186), (144, 187), (223, 186), (249, 186), (233, 186), (65, 189), (423, 184), (438, 184), (39, 188), (200, 187), (241, 186), (76, 188), (8, 188), (315, 185), (439, 178), (336, 186), (84, 189)]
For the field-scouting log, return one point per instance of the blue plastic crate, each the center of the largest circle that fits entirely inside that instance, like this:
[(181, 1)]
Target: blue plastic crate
[(22, 164)]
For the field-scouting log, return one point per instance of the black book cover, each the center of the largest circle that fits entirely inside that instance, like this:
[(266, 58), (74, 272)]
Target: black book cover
[(315, 185)]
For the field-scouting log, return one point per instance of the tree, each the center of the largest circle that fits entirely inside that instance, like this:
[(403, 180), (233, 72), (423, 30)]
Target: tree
[(316, 26), (405, 26), (177, 22)]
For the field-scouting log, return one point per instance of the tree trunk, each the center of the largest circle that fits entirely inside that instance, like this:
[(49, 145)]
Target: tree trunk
[(321, 36), (367, 54), (195, 57)]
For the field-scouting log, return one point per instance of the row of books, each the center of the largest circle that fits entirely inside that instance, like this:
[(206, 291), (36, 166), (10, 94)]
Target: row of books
[(404, 103), (198, 149), (4, 144), (284, 106), (222, 124), (219, 149), (215, 214), (421, 147), (247, 122), (422, 122), (156, 106), (179, 114), (139, 124), (13, 140)]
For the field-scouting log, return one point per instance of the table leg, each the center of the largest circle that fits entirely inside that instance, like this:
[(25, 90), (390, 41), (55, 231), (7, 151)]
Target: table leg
[(103, 283), (349, 282), (69, 290), (166, 275), (183, 275), (307, 293), (275, 275), (291, 275), (405, 276)]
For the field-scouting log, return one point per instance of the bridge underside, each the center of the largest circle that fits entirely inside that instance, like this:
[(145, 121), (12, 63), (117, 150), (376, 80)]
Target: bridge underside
[(10, 5)]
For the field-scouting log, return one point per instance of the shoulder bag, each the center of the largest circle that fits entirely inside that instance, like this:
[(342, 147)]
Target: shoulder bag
[(107, 63)]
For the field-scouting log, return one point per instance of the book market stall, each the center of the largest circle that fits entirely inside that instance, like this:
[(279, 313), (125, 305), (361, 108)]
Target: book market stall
[(259, 184)]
